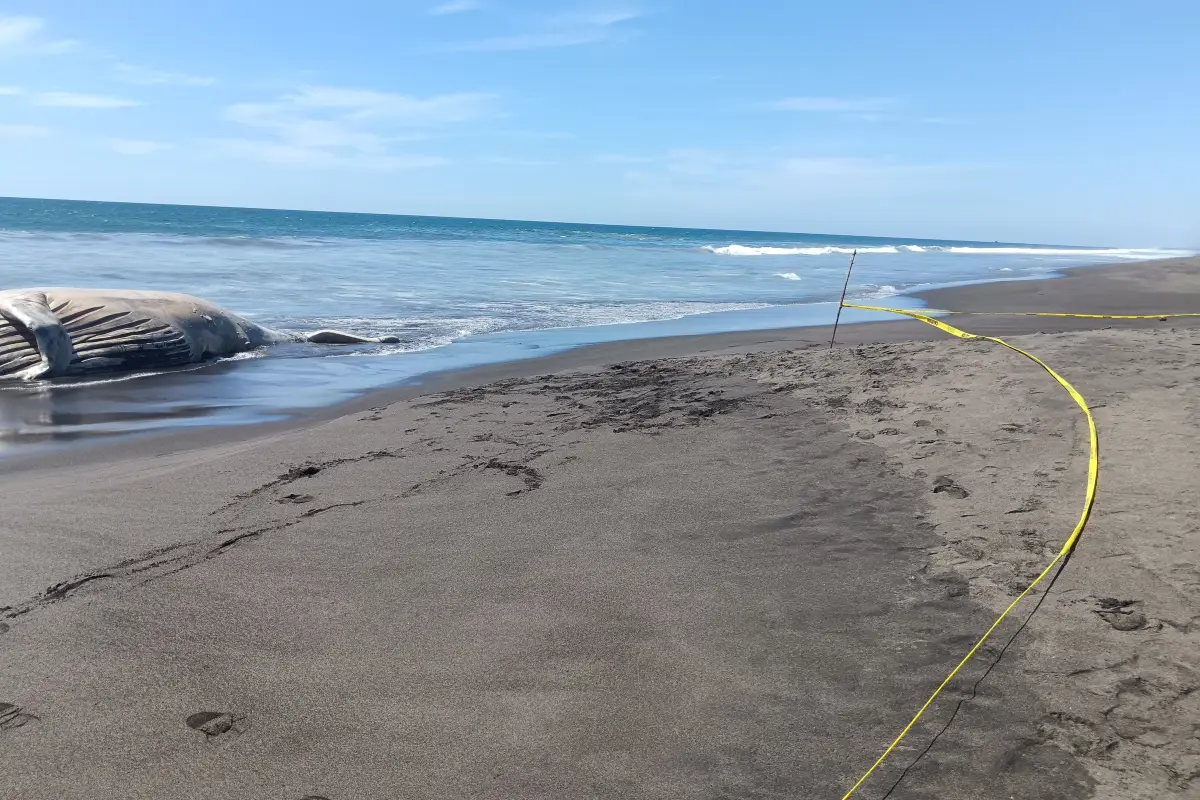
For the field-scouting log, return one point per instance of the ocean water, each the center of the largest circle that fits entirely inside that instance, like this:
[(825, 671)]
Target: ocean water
[(458, 292)]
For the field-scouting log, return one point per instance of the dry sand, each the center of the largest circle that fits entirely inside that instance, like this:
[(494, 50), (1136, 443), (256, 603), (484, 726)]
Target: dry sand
[(725, 575)]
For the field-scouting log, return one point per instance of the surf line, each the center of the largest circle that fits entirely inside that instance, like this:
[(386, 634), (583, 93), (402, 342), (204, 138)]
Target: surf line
[(1089, 494)]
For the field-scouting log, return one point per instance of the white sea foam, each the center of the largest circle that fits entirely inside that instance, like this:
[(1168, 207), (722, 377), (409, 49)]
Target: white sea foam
[(181, 240), (875, 291), (246, 355), (132, 376), (790, 276), (1109, 252), (743, 250), (429, 334), (37, 387), (1112, 252)]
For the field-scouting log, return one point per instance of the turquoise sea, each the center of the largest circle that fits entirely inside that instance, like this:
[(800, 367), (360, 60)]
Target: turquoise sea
[(459, 292)]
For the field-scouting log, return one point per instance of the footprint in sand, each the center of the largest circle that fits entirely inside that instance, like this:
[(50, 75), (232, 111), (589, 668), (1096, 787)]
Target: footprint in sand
[(13, 717), (1120, 615), (946, 485), (1028, 505), (211, 723)]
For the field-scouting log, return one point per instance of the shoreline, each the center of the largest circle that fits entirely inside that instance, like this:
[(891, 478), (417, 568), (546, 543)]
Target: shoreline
[(1086, 289), (731, 572)]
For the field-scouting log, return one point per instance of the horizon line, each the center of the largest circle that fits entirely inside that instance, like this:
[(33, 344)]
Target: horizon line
[(567, 222)]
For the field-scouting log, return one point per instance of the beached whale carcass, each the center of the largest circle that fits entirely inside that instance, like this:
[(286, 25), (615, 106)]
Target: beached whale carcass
[(52, 332)]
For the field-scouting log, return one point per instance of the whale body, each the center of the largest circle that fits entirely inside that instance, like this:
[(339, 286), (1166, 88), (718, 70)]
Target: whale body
[(55, 332)]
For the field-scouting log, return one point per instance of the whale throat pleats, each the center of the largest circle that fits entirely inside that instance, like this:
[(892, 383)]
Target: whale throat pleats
[(18, 348), (123, 339), (102, 339)]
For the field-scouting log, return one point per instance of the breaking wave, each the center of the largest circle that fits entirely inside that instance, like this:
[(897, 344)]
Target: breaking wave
[(427, 333), (874, 291), (1137, 254), (744, 250), (166, 239)]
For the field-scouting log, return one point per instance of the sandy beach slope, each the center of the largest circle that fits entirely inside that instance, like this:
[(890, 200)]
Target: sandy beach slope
[(720, 567)]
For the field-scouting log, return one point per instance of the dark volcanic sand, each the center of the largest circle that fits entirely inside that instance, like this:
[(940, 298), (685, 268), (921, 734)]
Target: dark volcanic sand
[(701, 577)]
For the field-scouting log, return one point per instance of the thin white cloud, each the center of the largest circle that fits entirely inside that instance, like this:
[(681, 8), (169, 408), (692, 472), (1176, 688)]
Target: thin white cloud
[(559, 30), (700, 162), (618, 158), (17, 131), (23, 35), (532, 41), (514, 161), (832, 166), (535, 135), (833, 104), (857, 176), (870, 116), (390, 163), (311, 133), (55, 48), (690, 173), (76, 100), (455, 7), (144, 76), (136, 147), (277, 153), (306, 156), (595, 18), (9, 90), (364, 104), (16, 31), (331, 126)]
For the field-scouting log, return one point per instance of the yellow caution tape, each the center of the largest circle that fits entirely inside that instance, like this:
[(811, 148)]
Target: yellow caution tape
[(1088, 500), (1026, 313)]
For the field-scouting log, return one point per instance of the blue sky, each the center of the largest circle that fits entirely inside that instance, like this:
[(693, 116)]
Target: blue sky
[(1051, 121)]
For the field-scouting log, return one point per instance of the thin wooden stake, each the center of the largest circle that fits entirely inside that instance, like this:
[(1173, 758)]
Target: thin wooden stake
[(842, 301)]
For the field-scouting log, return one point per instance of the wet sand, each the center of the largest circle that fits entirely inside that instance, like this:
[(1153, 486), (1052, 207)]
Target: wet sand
[(701, 567)]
